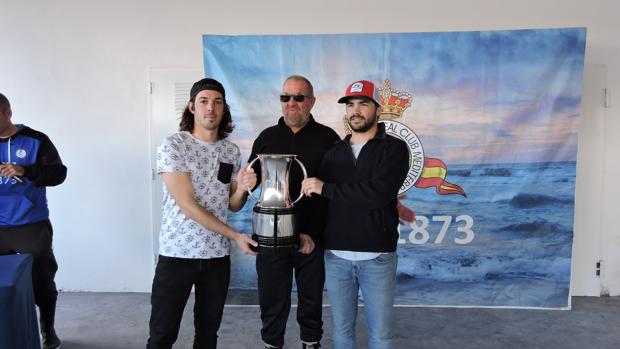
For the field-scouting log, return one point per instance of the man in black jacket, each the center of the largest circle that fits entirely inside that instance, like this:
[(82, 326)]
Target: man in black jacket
[(361, 176), (296, 133)]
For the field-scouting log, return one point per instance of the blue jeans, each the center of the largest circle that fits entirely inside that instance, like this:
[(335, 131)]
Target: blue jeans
[(377, 279)]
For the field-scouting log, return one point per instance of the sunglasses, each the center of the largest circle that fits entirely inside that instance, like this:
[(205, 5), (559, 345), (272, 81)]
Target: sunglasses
[(298, 97)]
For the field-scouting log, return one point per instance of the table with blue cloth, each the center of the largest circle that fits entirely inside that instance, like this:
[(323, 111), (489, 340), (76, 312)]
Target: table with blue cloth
[(18, 317)]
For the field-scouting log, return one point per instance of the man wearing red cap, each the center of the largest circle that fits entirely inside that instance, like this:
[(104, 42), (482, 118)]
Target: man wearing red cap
[(360, 176)]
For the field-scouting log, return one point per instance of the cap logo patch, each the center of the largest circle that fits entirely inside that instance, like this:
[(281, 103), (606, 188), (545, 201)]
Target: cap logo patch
[(357, 87)]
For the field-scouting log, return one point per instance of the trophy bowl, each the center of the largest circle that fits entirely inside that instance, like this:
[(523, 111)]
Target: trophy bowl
[(274, 218)]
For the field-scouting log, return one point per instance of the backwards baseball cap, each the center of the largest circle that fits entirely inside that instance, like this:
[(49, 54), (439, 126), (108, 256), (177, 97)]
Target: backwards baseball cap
[(206, 84), (363, 89)]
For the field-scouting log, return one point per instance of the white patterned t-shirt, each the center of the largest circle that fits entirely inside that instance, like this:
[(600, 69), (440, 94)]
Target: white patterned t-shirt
[(212, 167)]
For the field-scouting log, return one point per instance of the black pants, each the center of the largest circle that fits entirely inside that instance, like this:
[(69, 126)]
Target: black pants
[(35, 238), (174, 278), (275, 277)]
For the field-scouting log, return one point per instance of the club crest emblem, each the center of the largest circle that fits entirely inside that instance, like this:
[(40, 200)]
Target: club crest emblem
[(21, 153)]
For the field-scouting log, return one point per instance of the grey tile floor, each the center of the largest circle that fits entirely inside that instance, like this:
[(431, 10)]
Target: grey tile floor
[(120, 320)]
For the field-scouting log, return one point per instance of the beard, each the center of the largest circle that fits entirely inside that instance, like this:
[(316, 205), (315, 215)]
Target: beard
[(367, 125), (296, 121), (208, 124)]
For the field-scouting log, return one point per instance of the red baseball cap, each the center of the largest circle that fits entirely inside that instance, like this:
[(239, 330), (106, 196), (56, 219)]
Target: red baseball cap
[(361, 88)]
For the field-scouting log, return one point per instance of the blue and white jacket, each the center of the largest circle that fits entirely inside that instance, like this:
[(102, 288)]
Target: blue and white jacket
[(26, 202)]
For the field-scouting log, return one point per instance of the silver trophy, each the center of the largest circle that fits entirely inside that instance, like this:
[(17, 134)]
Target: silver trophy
[(274, 223)]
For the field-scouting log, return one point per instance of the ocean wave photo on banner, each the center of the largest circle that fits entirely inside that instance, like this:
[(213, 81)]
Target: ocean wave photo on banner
[(491, 119)]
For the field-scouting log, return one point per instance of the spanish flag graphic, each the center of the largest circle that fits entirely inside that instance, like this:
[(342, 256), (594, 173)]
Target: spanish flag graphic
[(434, 175)]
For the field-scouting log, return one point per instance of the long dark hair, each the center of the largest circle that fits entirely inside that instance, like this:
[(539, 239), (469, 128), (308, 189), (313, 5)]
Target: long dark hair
[(223, 130)]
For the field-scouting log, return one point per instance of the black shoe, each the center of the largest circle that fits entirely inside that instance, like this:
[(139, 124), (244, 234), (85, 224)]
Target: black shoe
[(269, 346), (47, 314), (51, 340), (313, 345)]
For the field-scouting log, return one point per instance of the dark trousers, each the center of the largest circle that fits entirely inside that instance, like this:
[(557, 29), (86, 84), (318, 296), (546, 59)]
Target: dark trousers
[(172, 284), (36, 239), (275, 277)]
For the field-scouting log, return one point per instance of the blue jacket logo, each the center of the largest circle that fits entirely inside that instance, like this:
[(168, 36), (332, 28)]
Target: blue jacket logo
[(21, 153)]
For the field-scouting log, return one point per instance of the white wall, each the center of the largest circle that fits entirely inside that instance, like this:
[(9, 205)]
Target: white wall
[(78, 71)]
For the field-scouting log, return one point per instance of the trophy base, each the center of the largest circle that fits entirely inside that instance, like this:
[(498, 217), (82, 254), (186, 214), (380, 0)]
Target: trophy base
[(273, 245), (275, 229)]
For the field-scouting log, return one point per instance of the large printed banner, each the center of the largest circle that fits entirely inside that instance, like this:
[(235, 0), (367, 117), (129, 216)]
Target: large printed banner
[(491, 120)]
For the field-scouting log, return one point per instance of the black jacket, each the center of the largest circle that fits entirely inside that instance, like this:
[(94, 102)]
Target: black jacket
[(362, 193), (309, 144)]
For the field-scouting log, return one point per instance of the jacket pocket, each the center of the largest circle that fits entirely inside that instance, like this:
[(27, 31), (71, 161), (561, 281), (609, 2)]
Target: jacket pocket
[(14, 208), (375, 220), (383, 225), (224, 172)]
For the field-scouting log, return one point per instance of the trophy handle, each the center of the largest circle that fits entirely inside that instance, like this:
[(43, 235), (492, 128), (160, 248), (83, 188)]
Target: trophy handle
[(250, 190), (303, 169)]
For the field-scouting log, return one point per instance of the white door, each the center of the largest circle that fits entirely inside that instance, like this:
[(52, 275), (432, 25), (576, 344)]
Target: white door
[(589, 187), (169, 94)]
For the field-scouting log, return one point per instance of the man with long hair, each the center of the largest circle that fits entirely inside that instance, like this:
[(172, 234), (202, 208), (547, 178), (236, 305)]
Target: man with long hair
[(203, 178)]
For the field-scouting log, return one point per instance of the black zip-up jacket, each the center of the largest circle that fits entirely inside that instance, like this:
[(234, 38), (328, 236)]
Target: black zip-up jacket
[(309, 144), (362, 193)]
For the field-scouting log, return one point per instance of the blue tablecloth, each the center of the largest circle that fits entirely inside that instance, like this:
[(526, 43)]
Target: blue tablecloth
[(18, 317)]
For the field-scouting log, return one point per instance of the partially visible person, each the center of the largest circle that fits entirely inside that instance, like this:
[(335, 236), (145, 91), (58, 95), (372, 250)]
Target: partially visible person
[(29, 162), (202, 180), (360, 176), (297, 132)]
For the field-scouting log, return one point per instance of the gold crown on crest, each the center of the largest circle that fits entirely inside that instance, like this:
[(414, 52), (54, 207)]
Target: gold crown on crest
[(393, 102)]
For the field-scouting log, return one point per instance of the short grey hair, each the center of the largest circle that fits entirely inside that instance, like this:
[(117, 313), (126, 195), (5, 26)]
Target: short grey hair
[(302, 78)]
